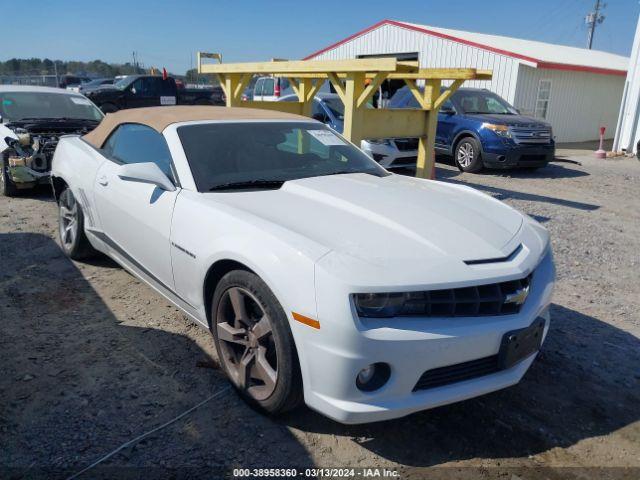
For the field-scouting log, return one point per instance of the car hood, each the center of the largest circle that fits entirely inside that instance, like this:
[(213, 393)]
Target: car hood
[(104, 91), (382, 219), (510, 120)]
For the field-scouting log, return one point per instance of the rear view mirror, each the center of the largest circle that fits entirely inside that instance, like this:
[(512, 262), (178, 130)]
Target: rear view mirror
[(146, 173)]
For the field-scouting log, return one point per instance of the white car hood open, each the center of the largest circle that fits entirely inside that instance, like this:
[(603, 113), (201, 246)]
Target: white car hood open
[(384, 219)]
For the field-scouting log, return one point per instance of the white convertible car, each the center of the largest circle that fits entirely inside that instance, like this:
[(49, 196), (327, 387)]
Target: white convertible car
[(321, 275)]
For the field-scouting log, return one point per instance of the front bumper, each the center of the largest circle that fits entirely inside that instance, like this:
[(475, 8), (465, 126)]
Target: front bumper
[(518, 156), (389, 156), (410, 346)]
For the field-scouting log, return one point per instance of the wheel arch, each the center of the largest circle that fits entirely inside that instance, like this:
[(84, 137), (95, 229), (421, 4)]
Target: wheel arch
[(461, 136), (59, 185), (213, 276)]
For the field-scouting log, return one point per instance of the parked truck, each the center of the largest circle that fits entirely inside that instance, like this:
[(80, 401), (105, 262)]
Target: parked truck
[(136, 91)]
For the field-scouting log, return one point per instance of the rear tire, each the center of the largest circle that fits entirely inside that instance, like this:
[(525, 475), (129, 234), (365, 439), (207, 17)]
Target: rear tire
[(254, 343), (7, 187), (467, 155), (73, 240)]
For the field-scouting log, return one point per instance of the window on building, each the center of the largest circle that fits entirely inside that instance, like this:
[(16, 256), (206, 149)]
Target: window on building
[(542, 102)]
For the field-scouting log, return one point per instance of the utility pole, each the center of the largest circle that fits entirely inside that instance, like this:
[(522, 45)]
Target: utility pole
[(592, 19)]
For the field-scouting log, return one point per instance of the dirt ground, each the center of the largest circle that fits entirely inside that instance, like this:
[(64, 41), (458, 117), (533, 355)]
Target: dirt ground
[(92, 358)]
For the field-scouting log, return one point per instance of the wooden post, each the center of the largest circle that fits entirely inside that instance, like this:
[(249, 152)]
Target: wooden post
[(425, 165), (353, 117)]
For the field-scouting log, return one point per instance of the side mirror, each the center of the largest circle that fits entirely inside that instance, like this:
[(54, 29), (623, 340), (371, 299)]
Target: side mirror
[(146, 173), (447, 111)]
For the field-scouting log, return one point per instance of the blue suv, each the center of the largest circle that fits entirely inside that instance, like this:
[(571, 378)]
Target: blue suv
[(480, 129)]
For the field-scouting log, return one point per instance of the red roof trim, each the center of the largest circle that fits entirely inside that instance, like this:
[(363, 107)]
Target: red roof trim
[(581, 68), (539, 63)]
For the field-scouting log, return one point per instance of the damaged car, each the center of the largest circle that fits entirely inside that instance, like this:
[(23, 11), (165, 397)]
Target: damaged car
[(32, 120)]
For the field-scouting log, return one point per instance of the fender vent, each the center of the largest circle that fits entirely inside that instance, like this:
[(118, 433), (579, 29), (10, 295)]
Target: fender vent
[(508, 258)]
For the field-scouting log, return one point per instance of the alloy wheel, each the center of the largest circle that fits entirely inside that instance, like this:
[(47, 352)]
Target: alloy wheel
[(68, 220), (247, 343), (465, 155)]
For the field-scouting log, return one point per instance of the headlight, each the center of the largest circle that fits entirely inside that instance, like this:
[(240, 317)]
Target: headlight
[(500, 130), (378, 304)]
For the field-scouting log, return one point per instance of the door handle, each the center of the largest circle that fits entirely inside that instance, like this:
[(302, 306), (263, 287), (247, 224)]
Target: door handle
[(102, 180)]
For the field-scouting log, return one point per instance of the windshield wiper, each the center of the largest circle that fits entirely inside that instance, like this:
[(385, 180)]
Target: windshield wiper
[(261, 184), (56, 119)]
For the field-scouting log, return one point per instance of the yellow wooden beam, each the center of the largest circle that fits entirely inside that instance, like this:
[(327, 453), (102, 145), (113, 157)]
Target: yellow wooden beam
[(338, 86), (315, 89), (241, 85), (419, 96), (444, 96), (393, 123), (354, 121), (419, 74), (303, 66), (295, 85), (371, 88), (425, 164), (287, 107)]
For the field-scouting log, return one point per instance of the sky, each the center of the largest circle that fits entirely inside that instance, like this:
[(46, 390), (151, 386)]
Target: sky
[(168, 33)]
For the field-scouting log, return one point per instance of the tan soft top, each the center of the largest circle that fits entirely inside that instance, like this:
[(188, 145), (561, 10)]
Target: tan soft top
[(159, 118)]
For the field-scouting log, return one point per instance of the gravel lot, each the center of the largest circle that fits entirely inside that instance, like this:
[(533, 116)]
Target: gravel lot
[(91, 358)]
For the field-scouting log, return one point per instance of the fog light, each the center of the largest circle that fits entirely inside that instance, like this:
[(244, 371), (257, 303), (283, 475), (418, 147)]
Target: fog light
[(373, 377)]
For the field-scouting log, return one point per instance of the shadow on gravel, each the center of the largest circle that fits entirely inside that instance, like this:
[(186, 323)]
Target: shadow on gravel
[(552, 170), (77, 383), (503, 193), (584, 384)]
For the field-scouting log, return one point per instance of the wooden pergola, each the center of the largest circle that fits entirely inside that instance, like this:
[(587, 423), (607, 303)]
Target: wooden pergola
[(355, 81)]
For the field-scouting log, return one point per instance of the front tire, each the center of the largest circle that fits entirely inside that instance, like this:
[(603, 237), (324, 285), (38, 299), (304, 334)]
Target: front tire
[(254, 343), (467, 155), (7, 187), (73, 240)]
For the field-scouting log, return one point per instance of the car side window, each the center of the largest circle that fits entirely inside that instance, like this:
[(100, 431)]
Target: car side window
[(134, 143), (258, 88), (267, 87)]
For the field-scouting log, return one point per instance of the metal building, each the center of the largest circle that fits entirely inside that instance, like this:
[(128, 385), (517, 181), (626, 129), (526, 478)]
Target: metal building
[(575, 89), (628, 131)]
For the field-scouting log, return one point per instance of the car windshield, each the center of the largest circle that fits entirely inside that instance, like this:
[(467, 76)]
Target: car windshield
[(253, 153), (124, 82), (15, 106), (336, 107), (471, 101)]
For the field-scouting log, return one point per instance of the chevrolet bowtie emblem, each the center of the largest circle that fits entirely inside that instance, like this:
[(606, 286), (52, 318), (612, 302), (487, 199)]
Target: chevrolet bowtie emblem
[(518, 297)]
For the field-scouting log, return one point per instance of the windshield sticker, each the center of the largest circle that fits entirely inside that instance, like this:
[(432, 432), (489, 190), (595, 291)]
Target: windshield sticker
[(80, 101), (6, 101), (167, 100), (326, 137)]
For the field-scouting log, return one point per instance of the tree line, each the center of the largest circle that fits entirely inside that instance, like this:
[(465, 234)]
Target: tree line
[(46, 66)]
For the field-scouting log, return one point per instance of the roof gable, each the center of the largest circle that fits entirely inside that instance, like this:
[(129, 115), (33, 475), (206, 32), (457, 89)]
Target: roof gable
[(538, 54)]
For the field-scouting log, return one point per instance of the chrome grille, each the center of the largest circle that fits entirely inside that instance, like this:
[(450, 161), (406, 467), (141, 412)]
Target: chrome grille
[(406, 144), (534, 136), (476, 301)]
